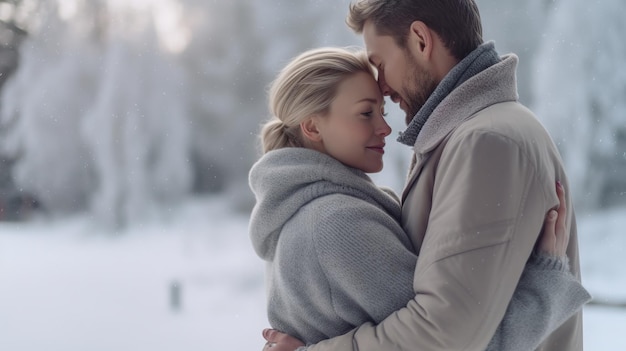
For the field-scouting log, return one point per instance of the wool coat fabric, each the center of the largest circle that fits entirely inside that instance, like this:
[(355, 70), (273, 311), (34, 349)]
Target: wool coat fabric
[(337, 256), (482, 181)]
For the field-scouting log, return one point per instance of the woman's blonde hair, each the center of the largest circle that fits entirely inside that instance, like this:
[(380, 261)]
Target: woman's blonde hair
[(306, 87)]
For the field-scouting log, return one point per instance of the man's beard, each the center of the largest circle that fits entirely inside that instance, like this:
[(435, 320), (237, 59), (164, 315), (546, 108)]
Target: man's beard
[(418, 85)]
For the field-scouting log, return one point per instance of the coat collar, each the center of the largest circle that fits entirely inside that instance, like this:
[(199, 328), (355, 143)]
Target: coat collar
[(477, 61), (493, 85)]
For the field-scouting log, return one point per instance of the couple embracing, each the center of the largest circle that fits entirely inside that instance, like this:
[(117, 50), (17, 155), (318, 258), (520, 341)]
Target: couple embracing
[(479, 252)]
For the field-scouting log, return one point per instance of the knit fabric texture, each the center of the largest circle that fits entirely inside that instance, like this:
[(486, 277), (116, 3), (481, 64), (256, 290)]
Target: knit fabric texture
[(337, 257)]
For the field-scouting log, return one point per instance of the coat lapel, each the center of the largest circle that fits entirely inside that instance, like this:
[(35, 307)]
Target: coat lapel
[(417, 164)]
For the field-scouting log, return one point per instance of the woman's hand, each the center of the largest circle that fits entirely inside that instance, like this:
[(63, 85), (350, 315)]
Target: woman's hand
[(277, 341), (554, 236)]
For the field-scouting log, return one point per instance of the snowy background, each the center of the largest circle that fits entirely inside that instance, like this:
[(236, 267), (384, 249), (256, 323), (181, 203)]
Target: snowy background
[(66, 286), (127, 129)]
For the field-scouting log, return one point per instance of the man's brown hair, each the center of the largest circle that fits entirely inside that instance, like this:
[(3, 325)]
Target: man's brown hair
[(456, 22)]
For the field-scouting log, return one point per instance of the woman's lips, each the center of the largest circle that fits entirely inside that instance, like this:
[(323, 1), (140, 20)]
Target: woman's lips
[(378, 148)]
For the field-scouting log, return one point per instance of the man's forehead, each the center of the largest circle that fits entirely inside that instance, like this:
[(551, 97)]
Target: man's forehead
[(370, 45), (372, 51), (370, 32), (373, 40)]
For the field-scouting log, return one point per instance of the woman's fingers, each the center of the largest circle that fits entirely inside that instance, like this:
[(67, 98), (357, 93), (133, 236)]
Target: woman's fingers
[(554, 236), (548, 239), (562, 234)]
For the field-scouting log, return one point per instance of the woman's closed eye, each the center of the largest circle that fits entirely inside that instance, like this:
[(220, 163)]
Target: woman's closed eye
[(369, 114)]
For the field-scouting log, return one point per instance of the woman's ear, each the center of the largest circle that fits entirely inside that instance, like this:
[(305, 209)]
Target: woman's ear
[(310, 129)]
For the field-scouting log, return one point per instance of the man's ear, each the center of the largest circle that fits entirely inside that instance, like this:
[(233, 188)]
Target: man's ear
[(310, 129), (420, 40)]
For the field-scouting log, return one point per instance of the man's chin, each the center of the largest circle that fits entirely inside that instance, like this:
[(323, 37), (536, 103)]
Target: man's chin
[(402, 105)]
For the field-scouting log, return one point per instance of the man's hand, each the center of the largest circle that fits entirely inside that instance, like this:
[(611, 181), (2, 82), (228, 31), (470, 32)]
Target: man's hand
[(277, 341)]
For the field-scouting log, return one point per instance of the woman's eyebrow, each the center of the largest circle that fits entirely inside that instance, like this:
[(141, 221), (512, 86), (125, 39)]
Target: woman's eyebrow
[(372, 100)]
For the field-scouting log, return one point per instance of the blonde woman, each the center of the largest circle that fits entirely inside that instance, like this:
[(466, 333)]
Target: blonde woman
[(336, 254)]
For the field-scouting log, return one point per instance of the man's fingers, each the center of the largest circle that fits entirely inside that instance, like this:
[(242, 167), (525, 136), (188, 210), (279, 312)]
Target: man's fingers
[(277, 341)]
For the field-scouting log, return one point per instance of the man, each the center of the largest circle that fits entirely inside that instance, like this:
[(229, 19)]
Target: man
[(483, 174)]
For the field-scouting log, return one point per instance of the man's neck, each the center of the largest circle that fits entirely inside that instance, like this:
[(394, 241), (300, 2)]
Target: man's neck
[(442, 59), (443, 62)]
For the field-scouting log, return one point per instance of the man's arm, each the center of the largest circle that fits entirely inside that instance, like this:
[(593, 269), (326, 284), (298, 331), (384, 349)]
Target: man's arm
[(489, 202)]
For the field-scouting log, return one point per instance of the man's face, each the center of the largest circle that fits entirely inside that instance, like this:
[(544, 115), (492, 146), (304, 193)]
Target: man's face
[(400, 75)]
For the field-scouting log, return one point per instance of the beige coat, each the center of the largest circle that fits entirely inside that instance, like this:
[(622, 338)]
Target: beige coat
[(474, 204)]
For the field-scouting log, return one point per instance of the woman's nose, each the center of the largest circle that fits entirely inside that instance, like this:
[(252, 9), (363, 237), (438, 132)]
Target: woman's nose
[(384, 129)]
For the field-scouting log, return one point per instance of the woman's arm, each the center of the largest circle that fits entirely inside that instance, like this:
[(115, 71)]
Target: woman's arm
[(546, 296)]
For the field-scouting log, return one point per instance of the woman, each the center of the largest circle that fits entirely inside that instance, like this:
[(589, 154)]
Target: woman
[(337, 256)]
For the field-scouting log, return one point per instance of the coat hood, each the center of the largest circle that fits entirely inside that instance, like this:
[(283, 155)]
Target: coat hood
[(286, 179)]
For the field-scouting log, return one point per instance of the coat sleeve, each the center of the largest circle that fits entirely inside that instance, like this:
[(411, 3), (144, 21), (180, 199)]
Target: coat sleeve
[(488, 206), (546, 296), (367, 259)]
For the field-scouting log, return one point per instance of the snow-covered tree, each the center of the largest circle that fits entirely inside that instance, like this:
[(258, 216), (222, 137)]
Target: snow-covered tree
[(137, 129), (580, 91), (42, 119), (96, 112), (226, 81)]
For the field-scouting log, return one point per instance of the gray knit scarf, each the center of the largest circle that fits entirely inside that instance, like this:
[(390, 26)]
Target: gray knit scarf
[(477, 61)]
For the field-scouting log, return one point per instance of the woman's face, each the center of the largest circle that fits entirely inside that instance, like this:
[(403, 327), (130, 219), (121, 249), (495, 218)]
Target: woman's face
[(354, 130)]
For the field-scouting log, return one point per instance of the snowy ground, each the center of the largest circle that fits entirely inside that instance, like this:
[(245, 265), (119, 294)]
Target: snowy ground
[(65, 286)]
